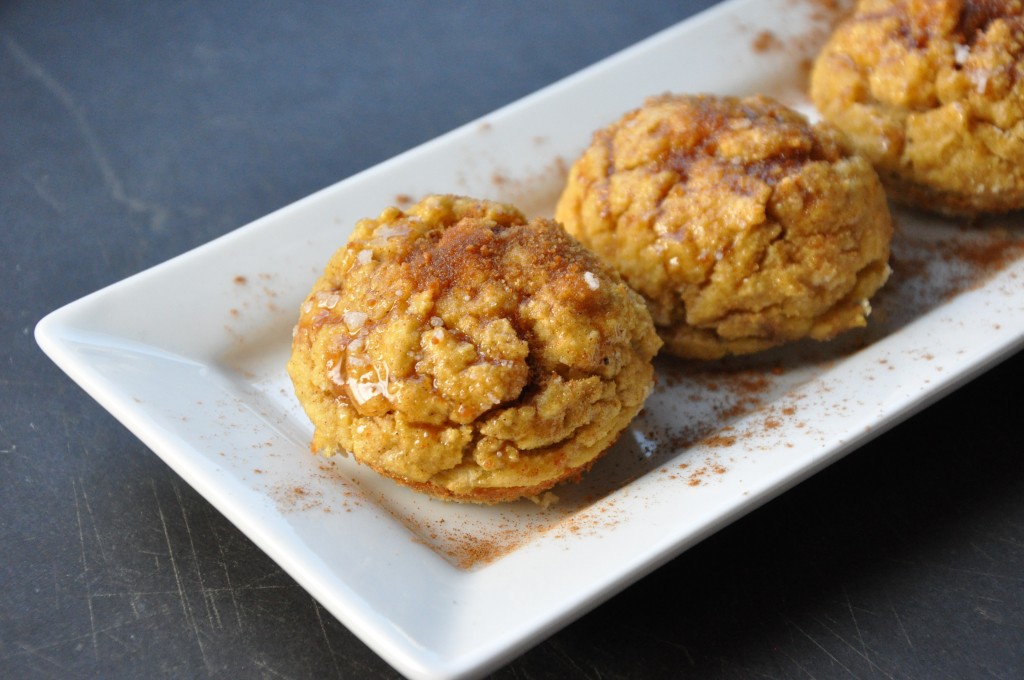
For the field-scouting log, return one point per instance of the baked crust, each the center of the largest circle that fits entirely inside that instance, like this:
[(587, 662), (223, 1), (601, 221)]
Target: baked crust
[(741, 224), (469, 353), (932, 93)]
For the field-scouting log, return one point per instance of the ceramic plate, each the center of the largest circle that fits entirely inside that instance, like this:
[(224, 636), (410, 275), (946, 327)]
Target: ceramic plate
[(442, 590)]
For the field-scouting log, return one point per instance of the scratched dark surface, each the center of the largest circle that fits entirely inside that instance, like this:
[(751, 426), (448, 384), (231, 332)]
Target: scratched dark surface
[(131, 132)]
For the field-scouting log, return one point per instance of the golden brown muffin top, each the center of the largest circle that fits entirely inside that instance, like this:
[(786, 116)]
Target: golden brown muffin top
[(755, 137), (468, 352), (932, 92), (741, 223), (919, 45), (456, 272)]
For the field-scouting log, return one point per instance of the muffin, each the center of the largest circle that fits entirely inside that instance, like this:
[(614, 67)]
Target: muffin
[(466, 352), (741, 224), (932, 93)]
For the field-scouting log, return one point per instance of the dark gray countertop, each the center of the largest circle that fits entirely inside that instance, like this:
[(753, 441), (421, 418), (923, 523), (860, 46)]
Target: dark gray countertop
[(131, 132)]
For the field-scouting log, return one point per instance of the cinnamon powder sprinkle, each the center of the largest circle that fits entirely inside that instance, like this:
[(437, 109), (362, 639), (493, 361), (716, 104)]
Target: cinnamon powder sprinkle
[(766, 41)]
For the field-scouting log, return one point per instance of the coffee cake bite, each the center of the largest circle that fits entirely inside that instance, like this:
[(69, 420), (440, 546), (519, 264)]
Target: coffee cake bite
[(466, 352), (932, 92), (741, 224)]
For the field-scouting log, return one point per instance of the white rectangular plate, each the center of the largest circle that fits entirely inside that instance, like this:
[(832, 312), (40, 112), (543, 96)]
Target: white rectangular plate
[(190, 356)]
